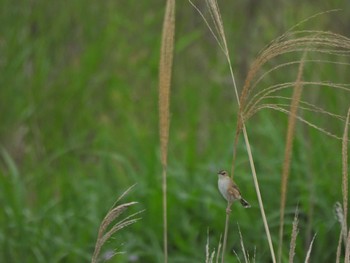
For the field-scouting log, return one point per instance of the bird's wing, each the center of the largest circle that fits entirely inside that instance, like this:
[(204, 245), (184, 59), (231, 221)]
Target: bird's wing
[(234, 191)]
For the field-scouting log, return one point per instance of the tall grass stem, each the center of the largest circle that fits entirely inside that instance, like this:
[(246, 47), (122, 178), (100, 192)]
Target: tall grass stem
[(289, 149), (225, 236), (221, 39), (345, 173), (165, 70)]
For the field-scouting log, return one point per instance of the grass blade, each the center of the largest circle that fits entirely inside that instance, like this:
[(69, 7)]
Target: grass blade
[(309, 250)]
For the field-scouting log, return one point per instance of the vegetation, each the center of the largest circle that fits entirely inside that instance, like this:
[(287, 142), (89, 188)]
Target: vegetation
[(79, 103)]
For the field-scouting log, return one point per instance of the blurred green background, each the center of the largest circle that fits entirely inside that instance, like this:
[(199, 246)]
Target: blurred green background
[(79, 125)]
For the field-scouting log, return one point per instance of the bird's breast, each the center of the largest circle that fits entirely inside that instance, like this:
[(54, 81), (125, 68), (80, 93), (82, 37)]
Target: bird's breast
[(223, 184)]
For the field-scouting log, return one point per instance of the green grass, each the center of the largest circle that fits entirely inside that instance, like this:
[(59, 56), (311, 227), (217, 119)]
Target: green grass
[(79, 125)]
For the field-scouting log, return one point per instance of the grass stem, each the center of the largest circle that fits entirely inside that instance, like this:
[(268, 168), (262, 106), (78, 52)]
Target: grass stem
[(225, 236)]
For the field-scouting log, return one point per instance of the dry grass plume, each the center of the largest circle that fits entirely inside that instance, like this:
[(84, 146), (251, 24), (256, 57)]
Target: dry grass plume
[(315, 42), (289, 149), (109, 227), (293, 239), (255, 97), (165, 70)]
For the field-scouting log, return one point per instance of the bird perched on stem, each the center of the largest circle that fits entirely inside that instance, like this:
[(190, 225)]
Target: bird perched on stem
[(230, 190)]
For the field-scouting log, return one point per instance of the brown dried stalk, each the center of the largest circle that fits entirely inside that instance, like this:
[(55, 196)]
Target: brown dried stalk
[(220, 37), (345, 172), (165, 70), (288, 150)]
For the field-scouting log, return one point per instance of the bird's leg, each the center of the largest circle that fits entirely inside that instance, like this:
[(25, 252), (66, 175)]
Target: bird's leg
[(228, 209)]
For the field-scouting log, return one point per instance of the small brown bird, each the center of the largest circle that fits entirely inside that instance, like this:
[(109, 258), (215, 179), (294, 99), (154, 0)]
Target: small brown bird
[(230, 190)]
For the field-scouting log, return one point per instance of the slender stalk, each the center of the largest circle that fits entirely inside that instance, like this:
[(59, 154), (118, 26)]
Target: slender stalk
[(257, 189), (225, 235), (165, 213), (347, 249), (252, 166), (345, 173), (289, 149), (218, 253), (337, 258), (165, 69), (221, 40)]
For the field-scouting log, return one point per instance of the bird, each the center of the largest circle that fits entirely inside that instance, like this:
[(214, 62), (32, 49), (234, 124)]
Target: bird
[(230, 190)]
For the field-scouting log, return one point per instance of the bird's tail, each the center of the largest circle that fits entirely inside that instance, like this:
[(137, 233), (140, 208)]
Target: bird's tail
[(244, 203)]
